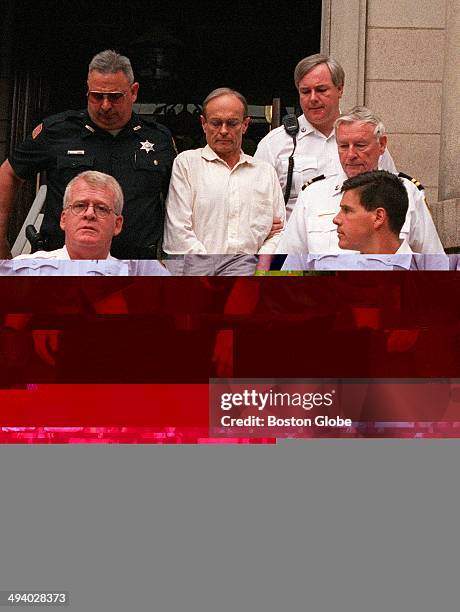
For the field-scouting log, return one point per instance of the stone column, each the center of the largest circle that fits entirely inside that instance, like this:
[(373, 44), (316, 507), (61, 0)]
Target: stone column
[(449, 167), (343, 36)]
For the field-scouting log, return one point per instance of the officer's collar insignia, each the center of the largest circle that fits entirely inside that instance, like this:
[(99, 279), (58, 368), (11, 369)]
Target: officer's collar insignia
[(147, 146), (91, 129), (137, 128)]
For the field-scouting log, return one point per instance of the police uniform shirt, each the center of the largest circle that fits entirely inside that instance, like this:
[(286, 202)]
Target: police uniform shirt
[(403, 259), (310, 228), (315, 154), (58, 263), (140, 157)]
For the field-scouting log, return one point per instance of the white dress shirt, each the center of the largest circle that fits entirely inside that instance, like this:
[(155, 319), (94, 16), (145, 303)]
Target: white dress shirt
[(310, 228), (315, 154), (403, 259), (214, 209), (58, 263)]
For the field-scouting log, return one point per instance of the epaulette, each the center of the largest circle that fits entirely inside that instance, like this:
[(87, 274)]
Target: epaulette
[(53, 120), (60, 117), (149, 120), (416, 182), (313, 180)]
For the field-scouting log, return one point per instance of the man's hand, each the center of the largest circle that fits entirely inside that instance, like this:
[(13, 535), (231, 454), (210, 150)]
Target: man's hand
[(276, 228), (264, 263)]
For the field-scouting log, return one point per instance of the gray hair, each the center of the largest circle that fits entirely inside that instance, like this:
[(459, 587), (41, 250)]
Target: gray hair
[(226, 91), (100, 180), (361, 114), (308, 63), (110, 62)]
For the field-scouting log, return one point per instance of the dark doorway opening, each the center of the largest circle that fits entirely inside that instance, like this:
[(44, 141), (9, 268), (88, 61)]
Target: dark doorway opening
[(180, 51)]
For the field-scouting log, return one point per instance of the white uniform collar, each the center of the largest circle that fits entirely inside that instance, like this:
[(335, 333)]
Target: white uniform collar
[(305, 128), (61, 254), (336, 183), (404, 248)]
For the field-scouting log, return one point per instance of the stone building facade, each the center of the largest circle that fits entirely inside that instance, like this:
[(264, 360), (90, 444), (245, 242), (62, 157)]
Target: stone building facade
[(402, 59)]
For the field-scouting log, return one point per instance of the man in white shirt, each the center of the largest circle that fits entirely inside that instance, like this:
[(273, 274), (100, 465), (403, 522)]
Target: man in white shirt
[(372, 212), (220, 200), (319, 80), (361, 140), (90, 218)]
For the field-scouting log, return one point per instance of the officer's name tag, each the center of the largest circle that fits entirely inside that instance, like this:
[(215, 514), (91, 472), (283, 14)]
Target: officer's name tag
[(77, 152)]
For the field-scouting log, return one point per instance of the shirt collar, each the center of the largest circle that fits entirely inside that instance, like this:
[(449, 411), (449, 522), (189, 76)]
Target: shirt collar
[(336, 185), (401, 260), (306, 128), (404, 247), (89, 127), (210, 155), (65, 255)]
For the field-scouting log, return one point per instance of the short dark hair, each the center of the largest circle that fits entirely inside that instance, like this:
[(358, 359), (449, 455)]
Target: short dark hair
[(381, 189)]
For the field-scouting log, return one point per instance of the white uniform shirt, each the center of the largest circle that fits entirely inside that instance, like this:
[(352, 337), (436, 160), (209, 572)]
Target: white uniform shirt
[(403, 259), (58, 263), (315, 154), (214, 209), (310, 228)]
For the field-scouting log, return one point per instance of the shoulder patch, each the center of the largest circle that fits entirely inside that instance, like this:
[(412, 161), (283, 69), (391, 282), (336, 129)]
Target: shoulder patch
[(36, 131), (416, 182), (313, 180)]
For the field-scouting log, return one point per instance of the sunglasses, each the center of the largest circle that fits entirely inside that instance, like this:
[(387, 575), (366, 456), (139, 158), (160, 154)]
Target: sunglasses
[(114, 97)]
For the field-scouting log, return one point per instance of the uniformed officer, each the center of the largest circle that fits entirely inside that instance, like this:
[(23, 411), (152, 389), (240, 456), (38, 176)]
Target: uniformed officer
[(361, 140), (319, 80), (107, 137)]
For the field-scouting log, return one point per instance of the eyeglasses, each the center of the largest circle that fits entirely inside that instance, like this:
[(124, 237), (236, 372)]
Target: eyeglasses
[(114, 97), (101, 211), (231, 124)]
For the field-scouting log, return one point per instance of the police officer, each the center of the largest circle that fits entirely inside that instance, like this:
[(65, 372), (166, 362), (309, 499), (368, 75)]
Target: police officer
[(319, 80), (107, 137), (361, 141)]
